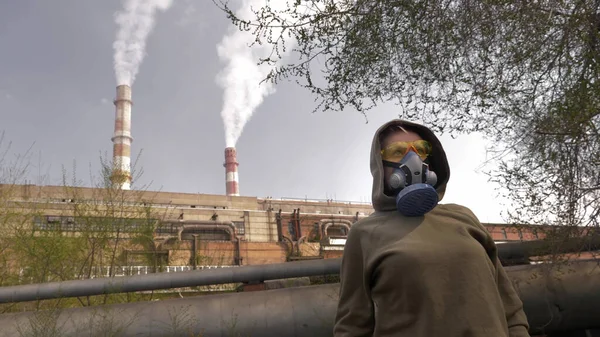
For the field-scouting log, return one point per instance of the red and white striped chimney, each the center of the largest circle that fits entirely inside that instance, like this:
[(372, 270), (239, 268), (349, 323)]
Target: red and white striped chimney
[(121, 173), (231, 173)]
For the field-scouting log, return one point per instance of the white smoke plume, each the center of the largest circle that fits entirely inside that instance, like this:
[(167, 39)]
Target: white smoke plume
[(135, 21), (241, 77)]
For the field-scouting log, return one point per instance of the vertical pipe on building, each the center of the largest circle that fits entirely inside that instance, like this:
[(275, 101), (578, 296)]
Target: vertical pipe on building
[(121, 171), (293, 226), (195, 251), (279, 226), (298, 229), (231, 172)]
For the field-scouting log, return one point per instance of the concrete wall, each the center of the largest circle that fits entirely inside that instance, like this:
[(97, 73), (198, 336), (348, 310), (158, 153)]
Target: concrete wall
[(221, 253), (192, 200), (263, 252)]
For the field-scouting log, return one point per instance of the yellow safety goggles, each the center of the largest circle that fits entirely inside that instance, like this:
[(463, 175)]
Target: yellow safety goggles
[(396, 151)]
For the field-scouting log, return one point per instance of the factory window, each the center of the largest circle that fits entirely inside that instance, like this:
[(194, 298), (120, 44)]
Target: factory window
[(240, 227), (69, 224), (337, 230), (39, 223), (291, 229), (166, 228), (53, 219), (95, 224), (315, 234), (206, 234), (53, 223)]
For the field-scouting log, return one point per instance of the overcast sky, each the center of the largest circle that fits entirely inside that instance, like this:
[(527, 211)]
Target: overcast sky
[(57, 84)]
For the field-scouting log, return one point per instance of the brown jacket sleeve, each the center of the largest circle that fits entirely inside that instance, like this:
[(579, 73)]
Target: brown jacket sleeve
[(513, 306), (354, 315)]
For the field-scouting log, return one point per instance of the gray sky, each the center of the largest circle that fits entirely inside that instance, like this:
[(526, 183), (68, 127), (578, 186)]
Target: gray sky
[(57, 84)]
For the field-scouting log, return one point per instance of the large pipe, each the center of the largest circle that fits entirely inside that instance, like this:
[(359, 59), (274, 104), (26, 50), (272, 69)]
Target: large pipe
[(326, 223), (524, 250), (279, 227), (558, 298), (121, 172), (226, 226), (255, 273), (100, 286), (231, 172)]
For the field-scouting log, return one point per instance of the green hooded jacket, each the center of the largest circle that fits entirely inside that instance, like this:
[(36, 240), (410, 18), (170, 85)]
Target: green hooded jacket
[(437, 275)]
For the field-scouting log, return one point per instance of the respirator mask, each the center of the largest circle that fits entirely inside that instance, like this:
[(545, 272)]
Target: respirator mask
[(413, 182)]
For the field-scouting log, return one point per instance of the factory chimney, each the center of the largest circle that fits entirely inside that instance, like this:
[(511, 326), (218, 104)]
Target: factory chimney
[(121, 171), (231, 174)]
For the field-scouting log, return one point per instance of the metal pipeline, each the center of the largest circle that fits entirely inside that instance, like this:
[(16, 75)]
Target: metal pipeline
[(340, 223), (100, 286), (525, 249), (291, 243), (558, 299), (279, 229), (208, 224), (226, 226), (295, 218), (251, 273), (324, 224)]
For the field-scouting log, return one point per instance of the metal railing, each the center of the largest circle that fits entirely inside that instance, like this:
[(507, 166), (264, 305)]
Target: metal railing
[(347, 202)]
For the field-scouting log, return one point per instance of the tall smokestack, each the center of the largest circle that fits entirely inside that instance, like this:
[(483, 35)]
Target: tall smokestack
[(121, 173), (231, 173)]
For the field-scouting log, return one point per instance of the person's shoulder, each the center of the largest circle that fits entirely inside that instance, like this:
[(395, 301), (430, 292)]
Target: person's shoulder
[(459, 212), (463, 216), (458, 209), (368, 223)]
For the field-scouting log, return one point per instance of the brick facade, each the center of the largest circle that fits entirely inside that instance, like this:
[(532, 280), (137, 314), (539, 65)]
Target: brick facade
[(228, 230)]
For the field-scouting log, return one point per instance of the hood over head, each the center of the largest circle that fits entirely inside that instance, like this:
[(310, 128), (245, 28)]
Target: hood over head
[(438, 163)]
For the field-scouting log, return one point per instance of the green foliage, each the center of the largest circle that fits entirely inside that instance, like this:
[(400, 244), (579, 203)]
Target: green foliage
[(84, 235), (46, 256), (457, 64), (524, 74)]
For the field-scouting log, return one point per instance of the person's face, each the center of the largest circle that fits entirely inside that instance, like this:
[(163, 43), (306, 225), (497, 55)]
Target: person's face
[(398, 136)]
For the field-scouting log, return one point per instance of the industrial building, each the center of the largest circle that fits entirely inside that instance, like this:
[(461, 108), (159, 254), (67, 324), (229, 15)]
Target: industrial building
[(215, 229), (190, 231)]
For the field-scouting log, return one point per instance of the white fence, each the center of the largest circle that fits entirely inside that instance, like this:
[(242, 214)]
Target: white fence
[(143, 270), (120, 271)]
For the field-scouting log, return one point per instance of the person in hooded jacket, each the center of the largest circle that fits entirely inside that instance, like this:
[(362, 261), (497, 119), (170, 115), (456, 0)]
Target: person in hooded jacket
[(430, 275)]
